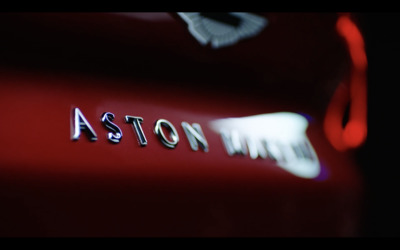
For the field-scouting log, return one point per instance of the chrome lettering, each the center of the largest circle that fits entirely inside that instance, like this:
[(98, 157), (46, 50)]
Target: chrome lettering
[(256, 148), (232, 142), (136, 122), (280, 137), (174, 138), (116, 135), (195, 136), (79, 123)]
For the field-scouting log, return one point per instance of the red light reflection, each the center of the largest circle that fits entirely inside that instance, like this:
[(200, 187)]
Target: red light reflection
[(353, 91)]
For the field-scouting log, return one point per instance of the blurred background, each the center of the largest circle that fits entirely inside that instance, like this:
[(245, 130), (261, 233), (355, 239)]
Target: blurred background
[(378, 158)]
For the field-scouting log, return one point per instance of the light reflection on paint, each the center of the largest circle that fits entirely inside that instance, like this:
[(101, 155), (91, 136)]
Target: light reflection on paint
[(277, 136), (353, 91)]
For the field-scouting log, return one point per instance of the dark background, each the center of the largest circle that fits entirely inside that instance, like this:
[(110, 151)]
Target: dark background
[(379, 157)]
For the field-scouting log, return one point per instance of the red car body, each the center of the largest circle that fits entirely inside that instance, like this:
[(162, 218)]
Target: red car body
[(150, 66)]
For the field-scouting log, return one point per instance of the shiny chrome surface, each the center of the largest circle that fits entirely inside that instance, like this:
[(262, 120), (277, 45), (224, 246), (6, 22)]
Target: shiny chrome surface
[(174, 137), (136, 122), (280, 137), (80, 123), (116, 135), (195, 136)]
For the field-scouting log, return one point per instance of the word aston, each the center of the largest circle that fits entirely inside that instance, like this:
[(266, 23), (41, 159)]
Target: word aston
[(193, 132)]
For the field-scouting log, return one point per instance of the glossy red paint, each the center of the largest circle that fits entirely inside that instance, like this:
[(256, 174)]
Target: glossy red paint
[(53, 186)]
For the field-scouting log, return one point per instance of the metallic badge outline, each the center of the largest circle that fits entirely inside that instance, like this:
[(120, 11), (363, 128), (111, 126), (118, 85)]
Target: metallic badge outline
[(223, 29)]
